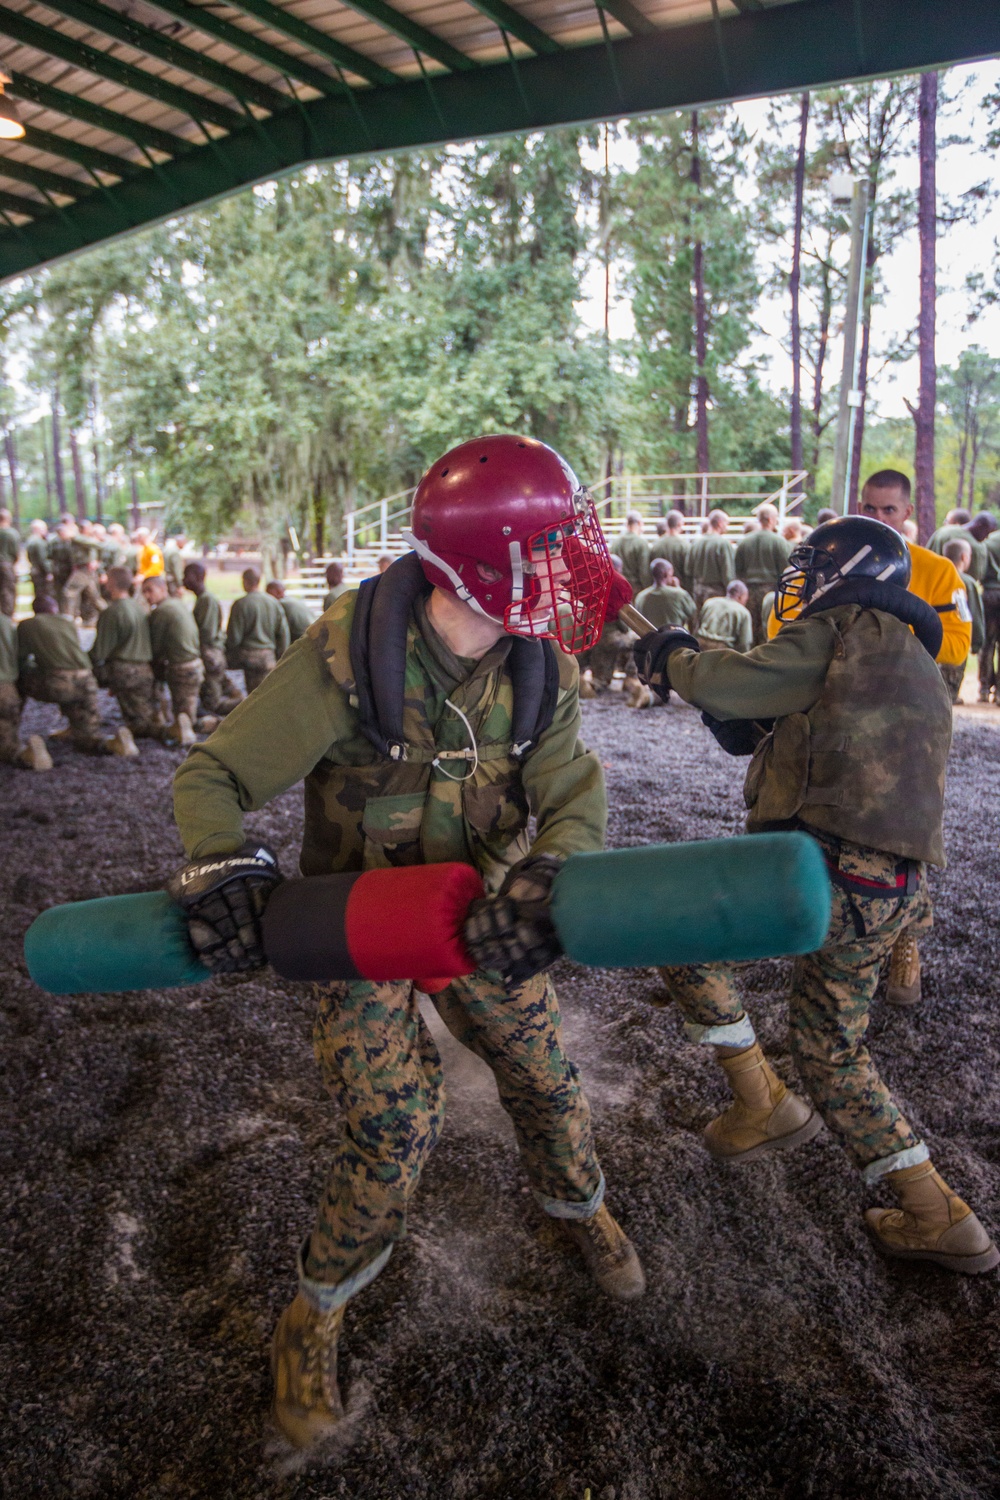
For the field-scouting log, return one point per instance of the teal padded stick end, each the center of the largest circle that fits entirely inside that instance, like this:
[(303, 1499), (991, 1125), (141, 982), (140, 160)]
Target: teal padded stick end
[(714, 901), (115, 943)]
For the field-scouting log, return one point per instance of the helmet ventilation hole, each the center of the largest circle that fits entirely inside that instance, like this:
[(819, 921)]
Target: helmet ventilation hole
[(444, 472), (484, 459)]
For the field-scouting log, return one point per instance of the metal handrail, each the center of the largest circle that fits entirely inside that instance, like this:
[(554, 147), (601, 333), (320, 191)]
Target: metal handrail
[(622, 488)]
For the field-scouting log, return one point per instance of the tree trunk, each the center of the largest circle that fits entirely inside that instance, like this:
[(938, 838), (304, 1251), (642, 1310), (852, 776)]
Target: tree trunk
[(48, 476), (98, 481), (700, 314), (11, 452), (135, 498), (318, 519), (866, 335), (57, 468), (823, 344), (793, 289), (81, 493), (923, 416)]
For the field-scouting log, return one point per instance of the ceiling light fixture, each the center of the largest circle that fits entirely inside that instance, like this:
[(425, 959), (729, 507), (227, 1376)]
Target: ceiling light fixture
[(11, 128)]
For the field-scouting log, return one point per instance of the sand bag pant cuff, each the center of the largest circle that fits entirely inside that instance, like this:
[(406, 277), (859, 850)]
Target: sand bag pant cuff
[(732, 1034), (325, 1297), (562, 1208)]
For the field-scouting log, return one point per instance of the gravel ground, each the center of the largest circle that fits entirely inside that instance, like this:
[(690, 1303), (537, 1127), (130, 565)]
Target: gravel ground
[(160, 1154)]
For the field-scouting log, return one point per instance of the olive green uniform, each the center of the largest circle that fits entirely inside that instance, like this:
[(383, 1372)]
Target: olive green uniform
[(674, 549), (299, 617), (761, 557), (725, 624), (363, 812), (857, 758), (10, 698), (219, 693), (334, 594), (10, 551), (711, 567), (664, 605), (634, 553), (80, 596), (989, 667), (122, 658), (256, 636), (54, 669), (954, 675), (173, 569), (38, 561), (946, 534), (173, 636)]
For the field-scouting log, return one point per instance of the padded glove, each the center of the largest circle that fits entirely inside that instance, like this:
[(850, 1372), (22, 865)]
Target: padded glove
[(653, 651), (512, 932), (223, 897), (738, 736)]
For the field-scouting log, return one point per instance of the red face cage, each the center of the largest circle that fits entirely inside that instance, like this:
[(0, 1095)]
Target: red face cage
[(561, 580)]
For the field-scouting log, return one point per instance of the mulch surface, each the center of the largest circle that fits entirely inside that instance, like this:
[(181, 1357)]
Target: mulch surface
[(161, 1153)]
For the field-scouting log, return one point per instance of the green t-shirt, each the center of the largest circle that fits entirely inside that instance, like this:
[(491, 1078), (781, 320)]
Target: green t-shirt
[(727, 621), (8, 650), (674, 549), (634, 554), (256, 623), (208, 618), (38, 554), (298, 615), (50, 643), (173, 635), (122, 633), (761, 557), (10, 544), (711, 561), (667, 605), (333, 595), (976, 611), (945, 534)]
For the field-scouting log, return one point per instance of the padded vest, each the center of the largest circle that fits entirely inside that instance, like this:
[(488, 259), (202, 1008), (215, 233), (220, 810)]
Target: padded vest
[(867, 762), (376, 811)]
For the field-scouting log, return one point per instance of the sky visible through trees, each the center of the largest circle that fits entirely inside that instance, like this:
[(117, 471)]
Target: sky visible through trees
[(313, 344)]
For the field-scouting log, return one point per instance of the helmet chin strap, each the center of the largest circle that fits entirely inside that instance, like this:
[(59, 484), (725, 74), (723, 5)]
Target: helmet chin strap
[(424, 552)]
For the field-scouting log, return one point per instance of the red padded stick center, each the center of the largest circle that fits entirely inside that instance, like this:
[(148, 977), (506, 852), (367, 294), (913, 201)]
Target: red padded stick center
[(407, 923)]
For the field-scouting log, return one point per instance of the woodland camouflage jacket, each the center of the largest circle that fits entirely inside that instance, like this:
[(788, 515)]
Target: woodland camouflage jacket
[(363, 811)]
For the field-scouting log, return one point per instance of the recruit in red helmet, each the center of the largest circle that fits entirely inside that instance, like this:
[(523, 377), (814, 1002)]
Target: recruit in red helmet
[(504, 523)]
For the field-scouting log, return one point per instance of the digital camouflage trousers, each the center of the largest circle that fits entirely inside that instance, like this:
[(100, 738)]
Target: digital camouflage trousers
[(219, 694), (10, 722), (79, 596), (381, 1065), (76, 694), (256, 662), (133, 684), (184, 679), (831, 995)]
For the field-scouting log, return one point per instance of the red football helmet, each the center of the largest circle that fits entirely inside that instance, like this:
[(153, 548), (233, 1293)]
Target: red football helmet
[(504, 523)]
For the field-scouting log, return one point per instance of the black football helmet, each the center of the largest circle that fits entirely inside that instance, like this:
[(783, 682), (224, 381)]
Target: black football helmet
[(849, 548)]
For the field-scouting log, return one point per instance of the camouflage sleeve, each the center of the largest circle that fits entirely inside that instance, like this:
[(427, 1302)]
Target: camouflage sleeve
[(564, 781), (783, 676), (267, 744)]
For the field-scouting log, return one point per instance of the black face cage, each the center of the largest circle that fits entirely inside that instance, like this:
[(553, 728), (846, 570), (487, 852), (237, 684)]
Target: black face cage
[(805, 570)]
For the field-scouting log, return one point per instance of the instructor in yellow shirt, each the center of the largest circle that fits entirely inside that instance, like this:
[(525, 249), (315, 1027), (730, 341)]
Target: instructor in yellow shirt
[(936, 580)]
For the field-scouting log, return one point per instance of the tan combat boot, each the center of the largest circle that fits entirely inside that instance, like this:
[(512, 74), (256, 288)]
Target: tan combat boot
[(637, 694), (123, 744), (180, 732), (587, 689), (931, 1223), (764, 1115), (34, 755), (307, 1405), (903, 987), (609, 1255)]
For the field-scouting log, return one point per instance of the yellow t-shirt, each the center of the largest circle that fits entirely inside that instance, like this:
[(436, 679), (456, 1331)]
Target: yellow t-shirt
[(151, 561), (938, 582)]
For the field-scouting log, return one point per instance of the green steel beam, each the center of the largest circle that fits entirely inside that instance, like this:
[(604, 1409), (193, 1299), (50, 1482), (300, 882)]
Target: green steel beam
[(632, 19), (317, 41), (810, 44), (46, 182), (103, 65), (156, 44), (511, 20), (24, 87), (86, 156), (205, 20), (10, 203), (418, 36)]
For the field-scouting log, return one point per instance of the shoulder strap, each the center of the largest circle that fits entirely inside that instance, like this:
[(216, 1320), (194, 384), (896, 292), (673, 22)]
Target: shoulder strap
[(378, 632), (534, 672)]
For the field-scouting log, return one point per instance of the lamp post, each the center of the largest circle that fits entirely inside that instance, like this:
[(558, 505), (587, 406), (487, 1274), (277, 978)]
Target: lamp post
[(845, 192)]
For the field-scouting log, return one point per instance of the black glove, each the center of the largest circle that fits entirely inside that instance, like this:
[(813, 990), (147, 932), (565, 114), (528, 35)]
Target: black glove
[(223, 897), (653, 651), (512, 932), (738, 736)]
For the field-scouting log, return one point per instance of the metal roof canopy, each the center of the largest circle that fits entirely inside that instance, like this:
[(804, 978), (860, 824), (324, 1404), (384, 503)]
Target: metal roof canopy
[(137, 111)]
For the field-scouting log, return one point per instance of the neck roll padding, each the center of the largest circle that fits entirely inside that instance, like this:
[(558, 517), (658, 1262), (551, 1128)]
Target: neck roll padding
[(870, 593), (719, 900)]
